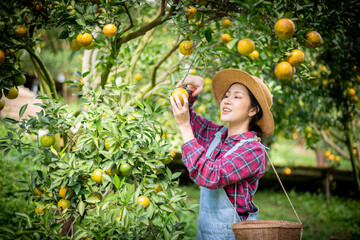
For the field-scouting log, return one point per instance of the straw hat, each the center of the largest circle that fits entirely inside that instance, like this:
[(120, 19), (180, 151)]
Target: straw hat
[(225, 78)]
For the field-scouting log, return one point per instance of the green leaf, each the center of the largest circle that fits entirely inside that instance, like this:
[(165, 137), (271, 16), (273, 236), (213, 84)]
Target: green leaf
[(176, 175), (22, 110), (80, 21), (208, 35), (116, 181), (81, 208), (64, 34), (166, 208)]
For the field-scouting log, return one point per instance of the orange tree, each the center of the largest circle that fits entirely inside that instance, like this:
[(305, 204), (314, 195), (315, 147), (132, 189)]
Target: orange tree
[(110, 178)]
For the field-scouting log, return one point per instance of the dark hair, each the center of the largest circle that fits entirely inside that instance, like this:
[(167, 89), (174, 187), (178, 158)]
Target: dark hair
[(252, 125), (254, 104)]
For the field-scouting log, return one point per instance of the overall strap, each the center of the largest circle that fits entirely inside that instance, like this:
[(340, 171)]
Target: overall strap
[(239, 144), (215, 142)]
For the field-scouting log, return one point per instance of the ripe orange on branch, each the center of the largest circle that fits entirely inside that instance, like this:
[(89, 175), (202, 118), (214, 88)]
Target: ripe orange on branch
[(21, 31), (225, 38), (284, 28), (314, 39), (296, 57), (186, 48), (283, 70), (144, 201), (63, 203), (254, 55), (138, 76), (226, 23), (63, 191), (190, 12), (2, 105), (97, 176), (246, 46), (74, 45), (84, 39), (179, 92), (2, 57), (109, 30)]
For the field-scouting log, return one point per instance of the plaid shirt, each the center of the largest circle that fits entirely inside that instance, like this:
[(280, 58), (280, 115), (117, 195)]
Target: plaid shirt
[(245, 166)]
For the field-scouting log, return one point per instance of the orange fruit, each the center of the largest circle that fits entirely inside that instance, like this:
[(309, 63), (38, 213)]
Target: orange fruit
[(37, 192), (186, 48), (193, 71), (109, 30), (111, 173), (97, 176), (287, 171), (246, 46), (19, 79), (63, 203), (63, 190), (283, 70), (284, 28), (2, 105), (90, 46), (172, 154), (179, 92), (158, 188), (2, 57), (190, 12), (296, 57), (323, 68), (125, 169), (225, 38), (39, 210), (226, 23), (12, 93), (354, 99), (107, 145), (74, 45), (96, 195), (70, 10), (47, 140), (254, 55), (337, 159), (158, 169), (144, 201), (325, 82), (314, 39), (352, 91), (138, 76), (327, 153), (331, 157), (84, 39), (21, 31)]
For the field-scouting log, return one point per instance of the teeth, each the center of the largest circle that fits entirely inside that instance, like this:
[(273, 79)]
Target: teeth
[(226, 110)]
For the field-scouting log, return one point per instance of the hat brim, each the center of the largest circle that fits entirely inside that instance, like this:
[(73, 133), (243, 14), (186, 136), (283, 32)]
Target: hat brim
[(225, 78)]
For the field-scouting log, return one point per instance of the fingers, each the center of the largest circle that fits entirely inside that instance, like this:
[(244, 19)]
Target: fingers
[(186, 103), (197, 91)]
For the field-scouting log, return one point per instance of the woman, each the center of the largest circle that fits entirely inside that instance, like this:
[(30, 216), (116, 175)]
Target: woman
[(226, 162)]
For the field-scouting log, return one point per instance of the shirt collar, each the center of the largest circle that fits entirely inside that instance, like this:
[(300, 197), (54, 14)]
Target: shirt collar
[(240, 136)]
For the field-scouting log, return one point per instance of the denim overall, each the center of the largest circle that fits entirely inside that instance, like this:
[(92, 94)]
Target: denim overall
[(217, 213)]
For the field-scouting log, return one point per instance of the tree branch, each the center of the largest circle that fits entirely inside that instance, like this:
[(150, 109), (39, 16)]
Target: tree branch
[(160, 19), (158, 64)]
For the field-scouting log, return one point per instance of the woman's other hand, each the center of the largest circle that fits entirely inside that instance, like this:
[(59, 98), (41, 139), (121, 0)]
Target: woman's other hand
[(192, 81)]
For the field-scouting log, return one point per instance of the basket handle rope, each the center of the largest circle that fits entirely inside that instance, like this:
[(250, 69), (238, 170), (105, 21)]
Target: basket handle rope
[(297, 216)]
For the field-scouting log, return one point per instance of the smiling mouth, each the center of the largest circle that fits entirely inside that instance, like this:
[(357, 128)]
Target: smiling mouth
[(226, 110)]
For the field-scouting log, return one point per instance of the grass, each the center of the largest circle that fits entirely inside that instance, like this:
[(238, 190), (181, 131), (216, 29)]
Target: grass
[(340, 219)]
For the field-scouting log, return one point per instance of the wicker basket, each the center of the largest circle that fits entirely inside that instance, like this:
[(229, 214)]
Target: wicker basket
[(267, 230)]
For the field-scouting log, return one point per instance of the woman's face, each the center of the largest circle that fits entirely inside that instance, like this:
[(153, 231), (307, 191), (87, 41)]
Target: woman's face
[(235, 105)]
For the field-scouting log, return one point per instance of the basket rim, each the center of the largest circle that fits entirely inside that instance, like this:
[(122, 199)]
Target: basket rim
[(253, 224)]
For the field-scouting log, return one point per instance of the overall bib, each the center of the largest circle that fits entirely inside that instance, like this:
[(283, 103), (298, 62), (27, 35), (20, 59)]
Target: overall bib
[(217, 213)]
